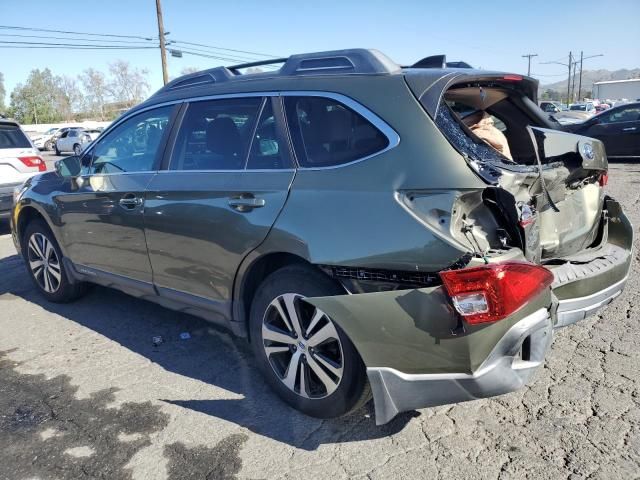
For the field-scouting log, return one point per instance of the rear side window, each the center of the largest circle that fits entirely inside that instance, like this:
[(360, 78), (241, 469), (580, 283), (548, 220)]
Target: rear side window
[(12, 137), (326, 133), (216, 134)]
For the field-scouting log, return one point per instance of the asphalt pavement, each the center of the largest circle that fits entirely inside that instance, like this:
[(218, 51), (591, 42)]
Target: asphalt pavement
[(85, 393)]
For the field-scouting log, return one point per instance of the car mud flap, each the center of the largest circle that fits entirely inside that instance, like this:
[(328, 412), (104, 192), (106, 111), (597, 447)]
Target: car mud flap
[(417, 332)]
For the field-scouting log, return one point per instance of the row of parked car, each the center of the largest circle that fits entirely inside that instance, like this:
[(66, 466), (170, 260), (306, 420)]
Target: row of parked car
[(66, 139)]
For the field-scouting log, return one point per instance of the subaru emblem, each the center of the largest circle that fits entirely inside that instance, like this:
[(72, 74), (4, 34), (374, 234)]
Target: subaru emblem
[(587, 150)]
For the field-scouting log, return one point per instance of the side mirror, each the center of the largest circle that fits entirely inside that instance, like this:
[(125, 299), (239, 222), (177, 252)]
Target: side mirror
[(69, 167)]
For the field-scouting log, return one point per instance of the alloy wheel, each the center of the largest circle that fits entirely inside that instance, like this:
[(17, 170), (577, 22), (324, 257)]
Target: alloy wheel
[(44, 262), (303, 346)]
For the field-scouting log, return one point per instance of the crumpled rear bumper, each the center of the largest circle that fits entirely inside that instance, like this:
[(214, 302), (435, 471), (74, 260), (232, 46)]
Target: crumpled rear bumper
[(591, 280), (509, 366)]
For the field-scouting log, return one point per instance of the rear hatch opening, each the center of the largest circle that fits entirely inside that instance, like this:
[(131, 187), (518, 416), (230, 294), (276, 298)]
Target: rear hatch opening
[(545, 186)]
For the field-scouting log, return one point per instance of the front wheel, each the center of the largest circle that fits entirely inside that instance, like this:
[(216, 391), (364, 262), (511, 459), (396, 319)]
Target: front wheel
[(57, 150), (305, 356), (44, 263), (47, 146)]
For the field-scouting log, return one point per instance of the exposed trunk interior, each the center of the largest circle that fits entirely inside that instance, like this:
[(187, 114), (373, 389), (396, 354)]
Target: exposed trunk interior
[(545, 189)]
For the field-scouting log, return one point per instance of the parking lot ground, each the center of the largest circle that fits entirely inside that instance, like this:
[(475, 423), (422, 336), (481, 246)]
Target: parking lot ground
[(84, 393)]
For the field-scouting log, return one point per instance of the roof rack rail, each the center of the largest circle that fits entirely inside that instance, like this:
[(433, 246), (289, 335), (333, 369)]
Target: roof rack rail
[(259, 63), (350, 61)]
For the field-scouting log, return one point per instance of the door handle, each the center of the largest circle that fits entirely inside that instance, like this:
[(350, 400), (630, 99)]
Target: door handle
[(246, 202), (130, 201), (629, 129)]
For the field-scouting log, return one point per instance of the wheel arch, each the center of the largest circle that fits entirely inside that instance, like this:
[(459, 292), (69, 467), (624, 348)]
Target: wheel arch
[(26, 215), (251, 276)]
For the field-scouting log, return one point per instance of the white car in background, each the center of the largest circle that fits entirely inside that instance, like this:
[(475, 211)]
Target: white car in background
[(19, 160), (44, 141)]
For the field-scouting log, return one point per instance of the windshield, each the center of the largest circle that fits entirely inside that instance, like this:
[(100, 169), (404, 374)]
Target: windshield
[(582, 108), (12, 137)]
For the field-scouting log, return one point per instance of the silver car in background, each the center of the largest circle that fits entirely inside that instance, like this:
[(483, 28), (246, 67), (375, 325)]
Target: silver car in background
[(74, 140)]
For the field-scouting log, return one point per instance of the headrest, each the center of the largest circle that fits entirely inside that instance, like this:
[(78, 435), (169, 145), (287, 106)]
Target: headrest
[(223, 137)]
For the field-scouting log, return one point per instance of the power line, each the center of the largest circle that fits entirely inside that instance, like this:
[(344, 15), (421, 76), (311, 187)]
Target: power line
[(216, 57), (50, 37), (229, 49), (9, 42), (9, 27), (77, 47), (209, 52)]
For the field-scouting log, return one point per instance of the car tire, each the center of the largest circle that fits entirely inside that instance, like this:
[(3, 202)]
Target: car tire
[(47, 146), (44, 262), (330, 378), (57, 150), (77, 149)]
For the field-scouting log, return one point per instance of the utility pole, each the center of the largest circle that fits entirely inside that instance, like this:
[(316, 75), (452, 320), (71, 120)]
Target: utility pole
[(163, 51), (529, 56), (582, 58), (568, 78), (580, 81), (573, 84)]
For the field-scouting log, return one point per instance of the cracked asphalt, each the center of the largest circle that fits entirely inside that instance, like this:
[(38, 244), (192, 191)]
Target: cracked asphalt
[(84, 393)]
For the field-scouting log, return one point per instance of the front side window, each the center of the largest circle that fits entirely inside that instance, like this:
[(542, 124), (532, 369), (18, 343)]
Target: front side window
[(326, 133), (629, 114), (133, 145), (216, 134)]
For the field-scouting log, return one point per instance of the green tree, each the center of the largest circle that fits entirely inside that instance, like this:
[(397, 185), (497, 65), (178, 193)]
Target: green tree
[(38, 99)]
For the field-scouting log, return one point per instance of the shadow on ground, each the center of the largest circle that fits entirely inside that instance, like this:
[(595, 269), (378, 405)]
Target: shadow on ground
[(211, 355), (47, 432)]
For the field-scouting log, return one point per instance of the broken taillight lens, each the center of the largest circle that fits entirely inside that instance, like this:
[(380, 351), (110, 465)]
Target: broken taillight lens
[(34, 162), (492, 292), (604, 179)]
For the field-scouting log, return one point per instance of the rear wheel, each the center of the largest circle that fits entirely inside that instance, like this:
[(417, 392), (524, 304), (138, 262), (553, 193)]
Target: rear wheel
[(306, 357), (44, 263)]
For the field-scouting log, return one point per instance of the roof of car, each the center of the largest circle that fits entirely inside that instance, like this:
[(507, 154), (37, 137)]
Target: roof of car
[(330, 65)]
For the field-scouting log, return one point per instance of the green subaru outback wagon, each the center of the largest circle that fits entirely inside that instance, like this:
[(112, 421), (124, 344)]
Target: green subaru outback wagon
[(408, 233)]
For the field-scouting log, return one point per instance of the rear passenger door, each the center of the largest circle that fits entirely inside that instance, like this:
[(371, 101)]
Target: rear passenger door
[(226, 179)]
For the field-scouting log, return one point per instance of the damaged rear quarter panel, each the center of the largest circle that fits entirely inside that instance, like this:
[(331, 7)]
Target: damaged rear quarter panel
[(417, 331)]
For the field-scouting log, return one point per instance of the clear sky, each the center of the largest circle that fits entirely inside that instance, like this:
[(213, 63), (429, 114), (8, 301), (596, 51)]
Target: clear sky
[(490, 34)]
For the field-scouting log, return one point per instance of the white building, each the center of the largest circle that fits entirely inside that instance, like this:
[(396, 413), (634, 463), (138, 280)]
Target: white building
[(617, 89)]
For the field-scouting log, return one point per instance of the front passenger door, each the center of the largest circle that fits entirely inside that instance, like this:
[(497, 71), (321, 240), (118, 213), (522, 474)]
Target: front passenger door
[(102, 219)]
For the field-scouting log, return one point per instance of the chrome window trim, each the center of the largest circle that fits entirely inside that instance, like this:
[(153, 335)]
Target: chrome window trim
[(376, 121)]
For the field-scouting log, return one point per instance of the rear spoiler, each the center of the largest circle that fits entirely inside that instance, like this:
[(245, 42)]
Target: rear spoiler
[(438, 61)]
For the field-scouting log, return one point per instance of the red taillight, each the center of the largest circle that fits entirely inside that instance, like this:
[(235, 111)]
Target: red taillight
[(34, 162), (604, 179), (492, 292), (513, 78)]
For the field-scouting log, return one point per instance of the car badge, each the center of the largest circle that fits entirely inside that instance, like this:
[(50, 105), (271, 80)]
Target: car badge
[(587, 150)]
